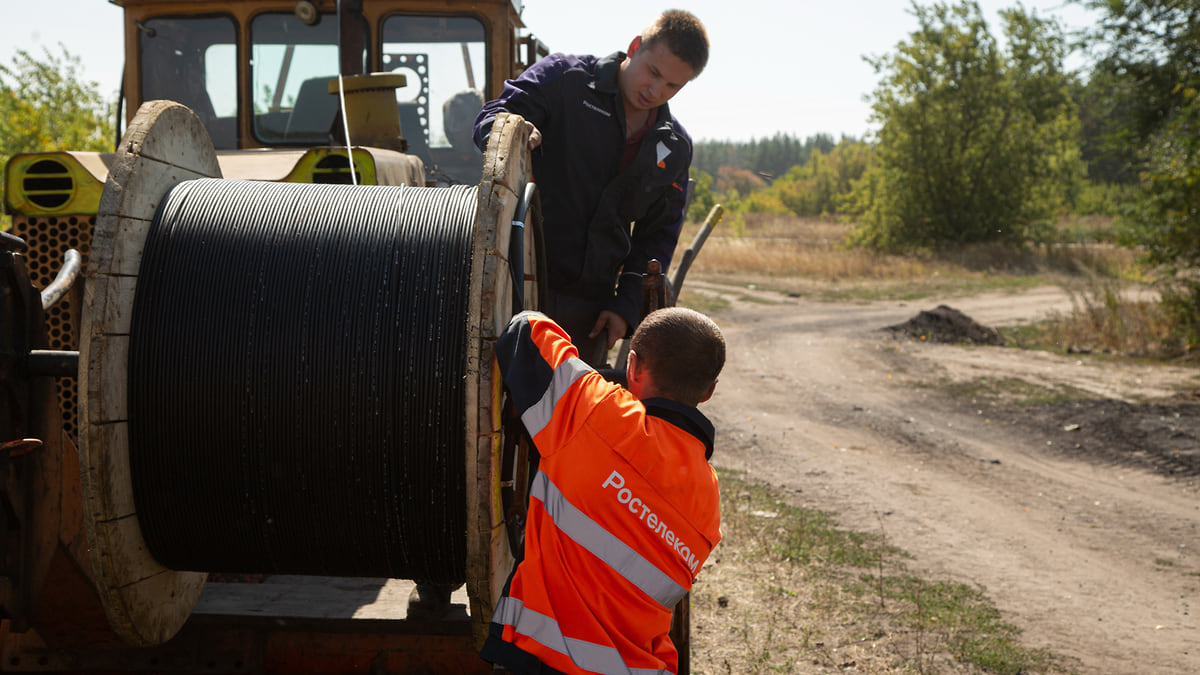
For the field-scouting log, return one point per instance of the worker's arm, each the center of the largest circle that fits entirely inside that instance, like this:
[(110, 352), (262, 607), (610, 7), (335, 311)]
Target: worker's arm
[(529, 96), (552, 389)]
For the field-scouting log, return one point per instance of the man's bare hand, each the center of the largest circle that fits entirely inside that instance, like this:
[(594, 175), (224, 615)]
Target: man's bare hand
[(535, 136), (612, 323)]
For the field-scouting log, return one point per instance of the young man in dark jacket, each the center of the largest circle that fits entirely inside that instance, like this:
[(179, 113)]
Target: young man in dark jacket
[(611, 163), (624, 508)]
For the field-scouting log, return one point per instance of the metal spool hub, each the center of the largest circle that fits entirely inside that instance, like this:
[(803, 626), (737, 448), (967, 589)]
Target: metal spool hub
[(147, 602)]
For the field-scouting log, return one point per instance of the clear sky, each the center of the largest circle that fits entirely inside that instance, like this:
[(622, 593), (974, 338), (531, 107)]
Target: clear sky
[(776, 66)]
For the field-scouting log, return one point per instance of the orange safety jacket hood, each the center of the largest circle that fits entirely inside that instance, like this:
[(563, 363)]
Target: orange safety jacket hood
[(624, 510)]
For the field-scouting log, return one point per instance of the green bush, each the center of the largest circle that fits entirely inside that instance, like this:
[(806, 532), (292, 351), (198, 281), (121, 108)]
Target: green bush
[(975, 144)]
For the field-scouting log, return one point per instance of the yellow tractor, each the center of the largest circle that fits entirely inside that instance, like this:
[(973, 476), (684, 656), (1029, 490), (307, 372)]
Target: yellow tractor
[(247, 389), (295, 199)]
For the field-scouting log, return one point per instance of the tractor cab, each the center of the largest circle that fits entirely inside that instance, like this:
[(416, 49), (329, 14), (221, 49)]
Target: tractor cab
[(264, 74)]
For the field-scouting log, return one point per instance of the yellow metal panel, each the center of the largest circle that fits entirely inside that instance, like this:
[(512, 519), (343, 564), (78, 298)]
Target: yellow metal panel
[(50, 183), (329, 165)]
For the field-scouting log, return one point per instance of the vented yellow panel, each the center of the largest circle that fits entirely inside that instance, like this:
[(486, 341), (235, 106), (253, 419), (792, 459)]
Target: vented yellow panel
[(330, 165), (51, 183)]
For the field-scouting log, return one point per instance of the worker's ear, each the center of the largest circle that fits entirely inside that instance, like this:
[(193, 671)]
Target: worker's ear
[(636, 374), (633, 46), (711, 388), (633, 367)]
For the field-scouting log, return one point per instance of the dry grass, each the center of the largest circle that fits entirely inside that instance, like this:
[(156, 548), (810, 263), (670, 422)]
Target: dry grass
[(787, 591), (812, 249), (1108, 317), (806, 257), (774, 246)]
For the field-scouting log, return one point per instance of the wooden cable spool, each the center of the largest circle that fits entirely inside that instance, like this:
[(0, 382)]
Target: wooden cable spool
[(145, 602)]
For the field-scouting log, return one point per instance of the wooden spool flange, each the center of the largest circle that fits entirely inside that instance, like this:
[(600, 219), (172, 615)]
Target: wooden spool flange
[(506, 172), (165, 145)]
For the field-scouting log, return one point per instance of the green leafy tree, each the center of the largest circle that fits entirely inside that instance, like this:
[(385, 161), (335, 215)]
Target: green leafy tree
[(1150, 62), (702, 198), (1146, 50), (974, 143), (1108, 150), (1168, 220), (46, 105), (823, 184)]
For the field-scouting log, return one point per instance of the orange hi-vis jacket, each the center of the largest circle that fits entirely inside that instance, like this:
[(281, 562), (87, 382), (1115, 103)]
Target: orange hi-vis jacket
[(623, 511)]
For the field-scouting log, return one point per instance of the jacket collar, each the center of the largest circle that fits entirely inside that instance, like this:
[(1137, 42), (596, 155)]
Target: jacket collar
[(605, 79), (686, 418)]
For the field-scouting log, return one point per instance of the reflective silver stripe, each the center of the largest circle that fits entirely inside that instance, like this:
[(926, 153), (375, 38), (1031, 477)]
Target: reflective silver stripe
[(587, 655), (606, 546), (538, 415), (512, 612)]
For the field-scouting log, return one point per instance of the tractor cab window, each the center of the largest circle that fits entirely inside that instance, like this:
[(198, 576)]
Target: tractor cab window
[(443, 59), (291, 65), (193, 61)]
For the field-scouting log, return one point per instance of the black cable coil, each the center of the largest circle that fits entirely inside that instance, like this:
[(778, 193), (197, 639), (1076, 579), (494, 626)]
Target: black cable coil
[(296, 371)]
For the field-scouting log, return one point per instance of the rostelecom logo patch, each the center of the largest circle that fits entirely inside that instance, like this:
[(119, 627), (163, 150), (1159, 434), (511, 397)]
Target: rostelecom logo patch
[(663, 152)]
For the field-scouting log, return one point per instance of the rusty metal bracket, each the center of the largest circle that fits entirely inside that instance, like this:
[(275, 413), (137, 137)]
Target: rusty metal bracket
[(655, 294)]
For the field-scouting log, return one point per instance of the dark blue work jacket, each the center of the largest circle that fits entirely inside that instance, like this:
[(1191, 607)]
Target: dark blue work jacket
[(599, 221)]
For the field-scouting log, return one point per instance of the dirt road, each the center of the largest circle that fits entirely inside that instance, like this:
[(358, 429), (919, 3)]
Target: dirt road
[(1081, 519)]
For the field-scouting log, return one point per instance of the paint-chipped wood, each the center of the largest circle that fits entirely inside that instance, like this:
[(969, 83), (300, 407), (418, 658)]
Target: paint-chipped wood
[(145, 603), (506, 171)]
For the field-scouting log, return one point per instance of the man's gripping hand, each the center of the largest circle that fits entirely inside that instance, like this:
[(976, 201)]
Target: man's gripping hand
[(535, 136), (613, 324)]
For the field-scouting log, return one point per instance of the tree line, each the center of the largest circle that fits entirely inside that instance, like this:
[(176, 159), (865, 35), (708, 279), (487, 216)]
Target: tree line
[(769, 157)]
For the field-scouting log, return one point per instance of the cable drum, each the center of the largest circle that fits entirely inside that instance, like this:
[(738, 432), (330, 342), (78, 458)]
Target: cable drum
[(296, 370)]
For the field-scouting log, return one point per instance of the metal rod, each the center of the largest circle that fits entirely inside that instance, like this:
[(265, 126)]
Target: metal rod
[(63, 280), (11, 242), (53, 363)]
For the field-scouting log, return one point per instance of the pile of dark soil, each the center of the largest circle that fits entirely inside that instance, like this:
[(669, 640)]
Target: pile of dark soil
[(946, 324)]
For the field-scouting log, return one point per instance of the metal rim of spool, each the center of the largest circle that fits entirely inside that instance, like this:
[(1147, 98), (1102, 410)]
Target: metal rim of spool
[(145, 603), (497, 463)]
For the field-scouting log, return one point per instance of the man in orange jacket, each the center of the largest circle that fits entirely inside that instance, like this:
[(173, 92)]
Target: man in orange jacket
[(624, 508)]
